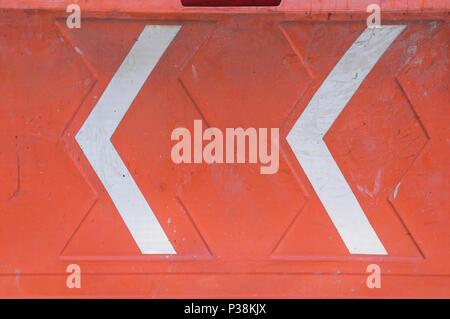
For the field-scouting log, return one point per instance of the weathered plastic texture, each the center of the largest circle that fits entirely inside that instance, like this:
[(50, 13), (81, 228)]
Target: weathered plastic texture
[(236, 232)]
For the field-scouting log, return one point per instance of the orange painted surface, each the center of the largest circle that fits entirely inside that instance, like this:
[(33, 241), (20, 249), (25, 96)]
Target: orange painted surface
[(237, 233)]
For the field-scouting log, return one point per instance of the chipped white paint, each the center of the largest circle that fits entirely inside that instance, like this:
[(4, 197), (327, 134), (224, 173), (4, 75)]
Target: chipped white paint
[(94, 138), (306, 139), (78, 50), (194, 72), (376, 186), (396, 190)]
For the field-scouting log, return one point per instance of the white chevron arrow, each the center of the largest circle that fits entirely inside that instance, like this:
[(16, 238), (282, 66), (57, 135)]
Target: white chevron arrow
[(94, 138), (306, 139)]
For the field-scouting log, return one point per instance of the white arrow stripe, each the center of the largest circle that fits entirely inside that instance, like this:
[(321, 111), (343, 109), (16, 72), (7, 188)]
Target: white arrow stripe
[(94, 138), (306, 139)]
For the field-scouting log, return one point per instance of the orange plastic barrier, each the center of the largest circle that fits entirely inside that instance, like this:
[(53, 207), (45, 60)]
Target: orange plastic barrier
[(92, 203)]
